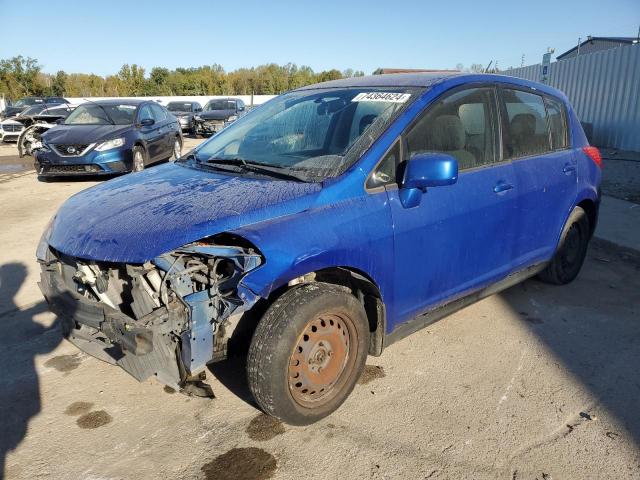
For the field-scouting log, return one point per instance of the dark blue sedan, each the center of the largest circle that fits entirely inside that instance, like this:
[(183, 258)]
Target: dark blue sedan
[(109, 137)]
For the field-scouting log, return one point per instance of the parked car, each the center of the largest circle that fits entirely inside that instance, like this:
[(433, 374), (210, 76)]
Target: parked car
[(26, 102), (217, 114), (328, 224), (36, 121), (12, 128), (185, 112), (109, 137)]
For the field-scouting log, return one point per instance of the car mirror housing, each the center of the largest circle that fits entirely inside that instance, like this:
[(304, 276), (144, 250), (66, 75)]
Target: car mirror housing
[(427, 170), (147, 122)]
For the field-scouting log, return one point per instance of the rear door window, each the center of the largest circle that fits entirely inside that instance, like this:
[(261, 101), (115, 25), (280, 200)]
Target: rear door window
[(159, 114), (526, 131), (557, 123), (462, 125)]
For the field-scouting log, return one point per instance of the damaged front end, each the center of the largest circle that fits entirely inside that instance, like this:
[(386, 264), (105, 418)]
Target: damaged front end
[(160, 318)]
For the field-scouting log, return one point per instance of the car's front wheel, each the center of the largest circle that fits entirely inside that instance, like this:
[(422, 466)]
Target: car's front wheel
[(307, 353), (571, 252)]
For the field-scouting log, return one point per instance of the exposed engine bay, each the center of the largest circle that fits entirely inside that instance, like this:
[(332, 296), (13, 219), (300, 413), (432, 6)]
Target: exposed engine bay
[(160, 318)]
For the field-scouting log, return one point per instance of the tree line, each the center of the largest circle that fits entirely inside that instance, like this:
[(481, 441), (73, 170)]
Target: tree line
[(20, 76)]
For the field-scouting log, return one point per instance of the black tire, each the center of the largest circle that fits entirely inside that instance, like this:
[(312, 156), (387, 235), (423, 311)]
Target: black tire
[(194, 130), (136, 166), (572, 250), (271, 362)]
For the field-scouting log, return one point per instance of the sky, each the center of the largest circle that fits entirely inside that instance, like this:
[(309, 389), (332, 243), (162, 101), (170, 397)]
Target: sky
[(100, 36)]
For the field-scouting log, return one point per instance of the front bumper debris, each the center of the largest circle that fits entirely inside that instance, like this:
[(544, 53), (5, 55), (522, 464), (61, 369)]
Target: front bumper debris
[(158, 319)]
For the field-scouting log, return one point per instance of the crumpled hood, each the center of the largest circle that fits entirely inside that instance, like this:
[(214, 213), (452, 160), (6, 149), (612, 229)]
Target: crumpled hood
[(83, 134), (216, 114), (139, 216)]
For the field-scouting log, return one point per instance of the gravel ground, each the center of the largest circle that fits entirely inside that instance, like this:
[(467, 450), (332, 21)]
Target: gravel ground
[(621, 174), (538, 382)]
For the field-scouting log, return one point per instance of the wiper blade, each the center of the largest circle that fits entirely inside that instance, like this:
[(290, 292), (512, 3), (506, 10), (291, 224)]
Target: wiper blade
[(256, 167)]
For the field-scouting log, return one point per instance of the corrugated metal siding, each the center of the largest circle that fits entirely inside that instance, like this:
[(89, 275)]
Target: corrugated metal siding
[(604, 88)]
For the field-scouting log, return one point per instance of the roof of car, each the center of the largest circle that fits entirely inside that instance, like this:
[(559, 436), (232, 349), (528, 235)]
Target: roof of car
[(120, 101), (385, 80), (223, 98), (425, 80)]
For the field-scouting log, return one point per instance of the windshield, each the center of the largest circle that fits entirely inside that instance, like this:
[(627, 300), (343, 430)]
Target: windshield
[(179, 107), (35, 110), (314, 133), (102, 114), (221, 105), (25, 102)]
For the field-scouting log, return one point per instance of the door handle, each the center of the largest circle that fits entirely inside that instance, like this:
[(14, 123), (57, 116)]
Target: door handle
[(502, 187), (568, 168)]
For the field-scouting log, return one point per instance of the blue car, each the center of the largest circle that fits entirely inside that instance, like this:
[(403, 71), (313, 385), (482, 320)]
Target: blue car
[(321, 228), (108, 137)]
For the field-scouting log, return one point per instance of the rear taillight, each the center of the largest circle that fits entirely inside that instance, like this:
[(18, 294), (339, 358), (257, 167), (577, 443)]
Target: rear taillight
[(594, 154)]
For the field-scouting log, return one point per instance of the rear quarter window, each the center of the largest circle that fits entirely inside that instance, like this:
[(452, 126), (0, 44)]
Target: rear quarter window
[(526, 124), (557, 123)]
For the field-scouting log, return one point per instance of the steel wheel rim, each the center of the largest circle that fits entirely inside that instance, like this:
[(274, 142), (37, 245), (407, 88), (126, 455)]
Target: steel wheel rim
[(322, 359), (176, 149), (138, 162)]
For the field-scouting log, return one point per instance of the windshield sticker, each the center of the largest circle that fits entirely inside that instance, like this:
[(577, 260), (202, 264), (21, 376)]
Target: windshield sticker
[(382, 97)]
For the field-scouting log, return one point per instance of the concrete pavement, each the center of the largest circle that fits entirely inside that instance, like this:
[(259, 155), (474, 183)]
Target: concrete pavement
[(538, 382)]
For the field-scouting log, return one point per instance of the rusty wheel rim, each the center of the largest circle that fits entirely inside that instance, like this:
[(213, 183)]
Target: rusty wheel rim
[(321, 359)]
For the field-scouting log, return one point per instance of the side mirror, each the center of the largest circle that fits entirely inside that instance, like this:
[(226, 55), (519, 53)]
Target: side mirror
[(426, 170), (147, 122), (60, 121), (241, 109)]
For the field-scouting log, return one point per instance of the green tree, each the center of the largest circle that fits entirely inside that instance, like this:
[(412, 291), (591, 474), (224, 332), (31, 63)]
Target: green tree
[(327, 75), (58, 85), (19, 77), (132, 80)]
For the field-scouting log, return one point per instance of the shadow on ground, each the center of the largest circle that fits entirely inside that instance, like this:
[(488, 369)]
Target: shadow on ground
[(593, 328), (21, 339)]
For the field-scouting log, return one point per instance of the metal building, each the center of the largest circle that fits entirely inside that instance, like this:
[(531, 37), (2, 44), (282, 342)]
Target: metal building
[(596, 44), (604, 88)]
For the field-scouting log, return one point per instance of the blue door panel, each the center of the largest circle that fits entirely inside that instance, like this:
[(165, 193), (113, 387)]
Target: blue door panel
[(547, 188), (460, 237)]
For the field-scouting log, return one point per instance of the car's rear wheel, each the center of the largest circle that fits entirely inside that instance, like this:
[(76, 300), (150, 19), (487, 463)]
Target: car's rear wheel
[(307, 353), (177, 149), (139, 159), (571, 252)]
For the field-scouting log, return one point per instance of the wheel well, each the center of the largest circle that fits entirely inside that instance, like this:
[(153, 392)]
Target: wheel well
[(591, 210), (366, 291), (237, 337)]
